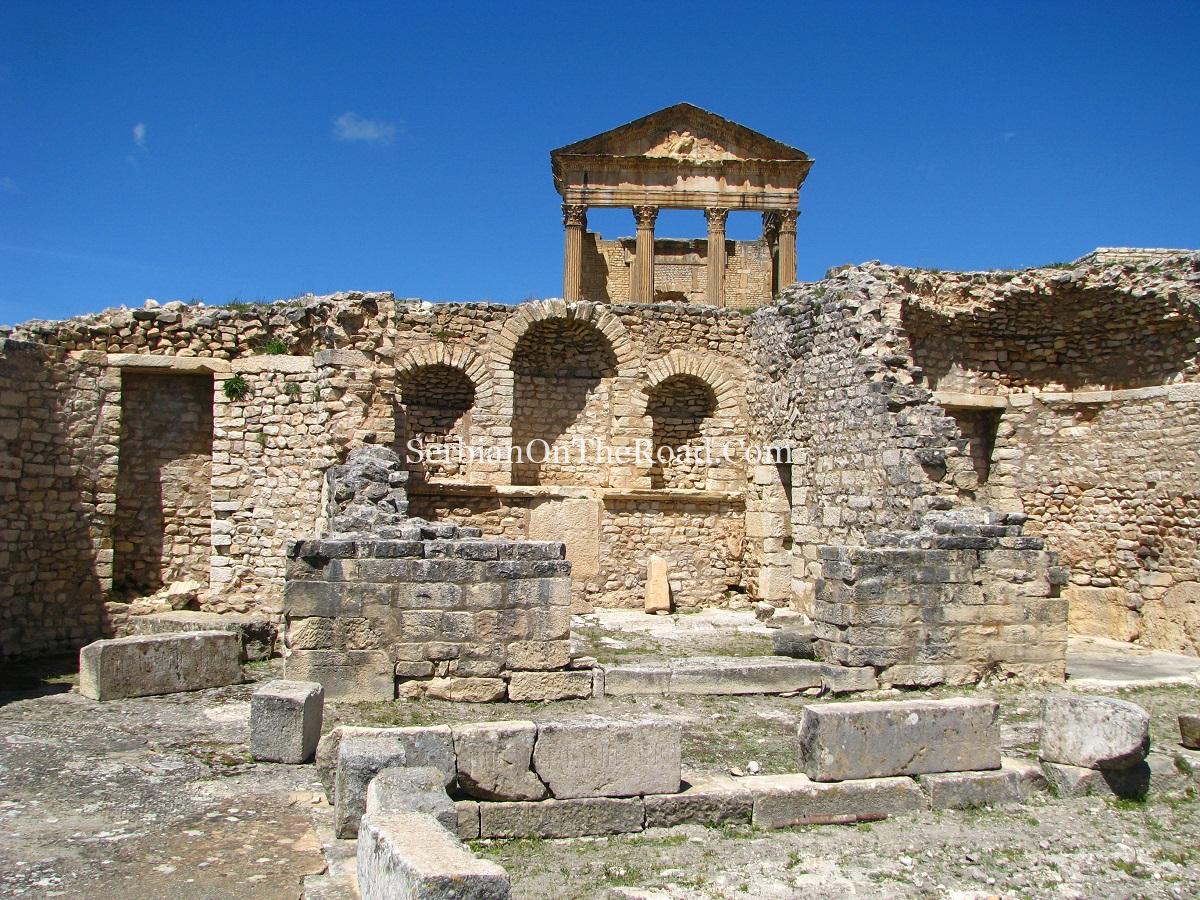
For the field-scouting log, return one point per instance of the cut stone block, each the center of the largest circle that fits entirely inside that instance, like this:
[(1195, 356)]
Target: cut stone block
[(411, 855), (418, 789), (608, 757), (844, 741), (1132, 783), (848, 679), (495, 761), (1093, 732), (794, 642), (537, 686), (658, 586), (468, 819), (285, 721), (561, 818), (704, 801), (258, 634), (624, 681), (144, 665), (360, 757), (742, 675), (1189, 731), (1013, 782), (781, 801), (345, 674)]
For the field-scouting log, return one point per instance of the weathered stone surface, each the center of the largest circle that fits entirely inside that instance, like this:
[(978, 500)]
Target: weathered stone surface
[(159, 664), (637, 678), (781, 801), (468, 819), (360, 757), (495, 761), (1132, 783), (742, 675), (1093, 732), (477, 690), (704, 801), (658, 587), (285, 721), (419, 789), (526, 686), (1189, 730), (794, 641), (345, 674), (411, 855), (848, 679), (608, 757), (561, 818), (843, 741), (1013, 782), (257, 632)]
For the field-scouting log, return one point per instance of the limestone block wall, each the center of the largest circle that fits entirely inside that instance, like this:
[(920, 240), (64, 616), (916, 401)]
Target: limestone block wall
[(965, 596)]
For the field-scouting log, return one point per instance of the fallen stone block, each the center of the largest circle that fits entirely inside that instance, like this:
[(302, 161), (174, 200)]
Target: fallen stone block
[(794, 641), (1093, 732), (1132, 783), (704, 801), (561, 818), (845, 741), (495, 761), (1013, 782), (258, 634), (418, 789), (360, 757), (1189, 730), (848, 679), (285, 721), (630, 680), (145, 665), (345, 674), (468, 819), (411, 855), (608, 757), (742, 675), (781, 801), (538, 686)]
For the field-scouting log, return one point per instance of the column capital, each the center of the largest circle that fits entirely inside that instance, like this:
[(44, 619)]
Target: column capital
[(716, 216), (645, 216), (574, 214), (787, 220)]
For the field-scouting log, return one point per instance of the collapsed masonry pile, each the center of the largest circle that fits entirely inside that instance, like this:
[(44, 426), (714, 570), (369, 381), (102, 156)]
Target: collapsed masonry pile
[(964, 596), (384, 605)]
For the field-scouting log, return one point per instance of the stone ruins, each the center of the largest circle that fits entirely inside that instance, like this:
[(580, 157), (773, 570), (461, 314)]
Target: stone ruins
[(946, 472)]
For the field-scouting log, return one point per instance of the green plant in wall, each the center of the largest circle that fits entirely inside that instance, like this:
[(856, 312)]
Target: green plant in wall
[(236, 388), (292, 389), (275, 347)]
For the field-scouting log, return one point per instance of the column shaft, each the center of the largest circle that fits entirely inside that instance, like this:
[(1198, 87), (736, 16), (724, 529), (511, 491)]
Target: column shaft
[(641, 290), (574, 225), (716, 217), (787, 247)]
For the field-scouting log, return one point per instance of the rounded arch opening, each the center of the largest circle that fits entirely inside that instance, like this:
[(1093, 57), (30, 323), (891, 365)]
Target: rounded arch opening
[(681, 410), (435, 402)]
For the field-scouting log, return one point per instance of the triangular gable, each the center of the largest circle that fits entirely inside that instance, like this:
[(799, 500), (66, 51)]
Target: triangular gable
[(684, 132)]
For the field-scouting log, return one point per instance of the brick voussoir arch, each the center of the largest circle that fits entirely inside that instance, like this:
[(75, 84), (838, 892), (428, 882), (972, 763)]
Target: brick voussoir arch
[(465, 360), (724, 377), (527, 314)]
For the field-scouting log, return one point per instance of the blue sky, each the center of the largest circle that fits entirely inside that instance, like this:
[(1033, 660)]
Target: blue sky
[(259, 150)]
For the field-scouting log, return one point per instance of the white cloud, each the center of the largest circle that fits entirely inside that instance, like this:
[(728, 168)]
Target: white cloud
[(350, 126), (139, 134), (1009, 135), (8, 186)]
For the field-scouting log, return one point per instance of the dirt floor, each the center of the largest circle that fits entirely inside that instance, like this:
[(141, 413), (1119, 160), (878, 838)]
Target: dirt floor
[(157, 797)]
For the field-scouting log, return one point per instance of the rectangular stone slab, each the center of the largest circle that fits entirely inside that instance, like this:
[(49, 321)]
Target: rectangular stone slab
[(784, 800), (561, 818), (285, 721), (150, 664), (411, 855), (743, 675), (608, 757), (844, 741), (705, 801), (1013, 782)]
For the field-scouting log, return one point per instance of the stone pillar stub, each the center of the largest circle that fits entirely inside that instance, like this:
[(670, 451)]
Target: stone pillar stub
[(642, 284)]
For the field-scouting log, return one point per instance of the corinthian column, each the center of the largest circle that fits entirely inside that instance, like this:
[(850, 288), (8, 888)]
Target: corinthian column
[(716, 217), (574, 224), (642, 288), (787, 247)]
